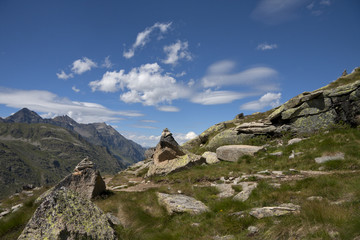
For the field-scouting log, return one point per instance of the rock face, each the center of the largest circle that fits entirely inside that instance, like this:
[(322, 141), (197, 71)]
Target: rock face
[(169, 156), (233, 152), (66, 215), (179, 203)]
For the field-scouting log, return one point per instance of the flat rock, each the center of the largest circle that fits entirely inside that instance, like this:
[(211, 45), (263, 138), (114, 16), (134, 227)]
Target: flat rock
[(178, 203), (210, 157), (232, 153), (294, 140), (247, 188), (283, 209), (225, 190), (326, 158), (64, 214)]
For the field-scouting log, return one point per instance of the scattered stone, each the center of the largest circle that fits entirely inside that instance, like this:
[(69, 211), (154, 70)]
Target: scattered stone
[(177, 203), (277, 172), (276, 154), (283, 209), (4, 213), (294, 140), (275, 185), (326, 158), (16, 207), (119, 187), (240, 214), (113, 220), (334, 234), (266, 172), (222, 179), (294, 154), (210, 157), (253, 230), (227, 237), (232, 153), (247, 188), (195, 224), (225, 190), (315, 198), (64, 214)]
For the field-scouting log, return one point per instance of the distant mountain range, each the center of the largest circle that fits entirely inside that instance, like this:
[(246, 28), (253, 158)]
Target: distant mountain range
[(41, 151)]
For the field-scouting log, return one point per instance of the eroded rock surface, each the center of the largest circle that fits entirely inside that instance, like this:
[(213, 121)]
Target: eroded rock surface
[(232, 153), (283, 209), (64, 214)]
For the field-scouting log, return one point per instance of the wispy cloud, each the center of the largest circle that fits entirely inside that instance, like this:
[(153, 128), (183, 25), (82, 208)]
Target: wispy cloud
[(219, 75), (144, 37), (52, 105), (210, 97), (269, 99), (325, 2), (107, 63), (82, 65), (277, 11), (168, 109), (152, 140), (266, 46), (176, 52), (63, 75), (317, 8), (75, 89)]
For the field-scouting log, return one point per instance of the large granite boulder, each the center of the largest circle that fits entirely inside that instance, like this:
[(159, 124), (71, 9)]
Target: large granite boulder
[(64, 214), (232, 153)]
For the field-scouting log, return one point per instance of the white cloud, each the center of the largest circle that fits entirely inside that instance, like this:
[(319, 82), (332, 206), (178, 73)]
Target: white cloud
[(146, 84), (184, 137), (168, 109), (107, 63), (277, 11), (52, 105), (83, 65), (144, 37), (64, 76), (310, 6), (75, 89), (269, 99), (210, 97), (176, 52), (218, 75), (266, 46), (325, 2)]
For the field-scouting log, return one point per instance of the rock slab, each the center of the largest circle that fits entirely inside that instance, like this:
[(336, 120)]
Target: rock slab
[(178, 203), (66, 215), (323, 159), (283, 209), (232, 153)]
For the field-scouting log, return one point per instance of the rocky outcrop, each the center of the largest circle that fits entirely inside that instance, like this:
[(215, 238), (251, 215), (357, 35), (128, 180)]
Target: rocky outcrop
[(178, 203), (85, 180), (257, 128), (169, 156), (64, 214), (232, 153)]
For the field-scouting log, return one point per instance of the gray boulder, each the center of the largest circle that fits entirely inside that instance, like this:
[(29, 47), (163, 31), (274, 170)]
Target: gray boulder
[(283, 209), (64, 214), (210, 157), (233, 152), (326, 158), (178, 203)]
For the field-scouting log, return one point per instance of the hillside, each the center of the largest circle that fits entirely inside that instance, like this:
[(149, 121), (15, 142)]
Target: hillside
[(301, 182), (126, 151), (42, 154)]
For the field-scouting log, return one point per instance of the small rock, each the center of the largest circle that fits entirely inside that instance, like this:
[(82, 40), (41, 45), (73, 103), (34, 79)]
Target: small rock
[(195, 224), (222, 179), (4, 213), (119, 187), (253, 230), (280, 210), (227, 237), (210, 157), (16, 207), (240, 214), (334, 234), (177, 203), (326, 158), (267, 172), (112, 219), (294, 140), (276, 153), (225, 190), (179, 192), (277, 172), (315, 198), (232, 153), (247, 188), (275, 185)]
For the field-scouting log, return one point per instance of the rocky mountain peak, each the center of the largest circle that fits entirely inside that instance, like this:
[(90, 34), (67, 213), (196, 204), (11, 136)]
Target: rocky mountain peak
[(25, 116)]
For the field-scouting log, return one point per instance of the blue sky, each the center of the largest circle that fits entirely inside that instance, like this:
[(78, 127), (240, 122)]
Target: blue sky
[(142, 66)]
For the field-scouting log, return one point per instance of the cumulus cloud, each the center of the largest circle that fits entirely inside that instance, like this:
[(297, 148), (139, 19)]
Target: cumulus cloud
[(266, 46), (210, 97), (82, 65), (219, 75), (64, 76), (269, 99), (176, 52), (184, 137), (52, 105), (277, 11), (146, 84), (144, 37), (75, 89), (107, 63)]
